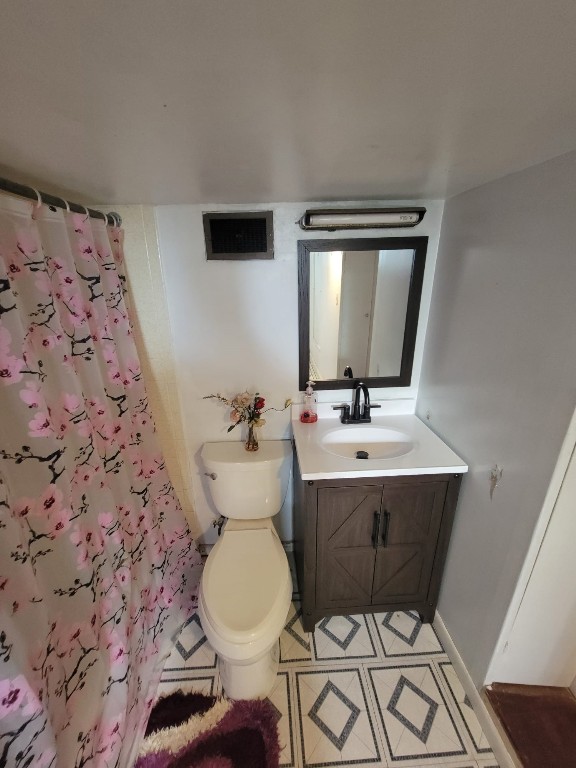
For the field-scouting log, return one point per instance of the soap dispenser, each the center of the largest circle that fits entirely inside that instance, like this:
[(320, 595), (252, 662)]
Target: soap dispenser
[(309, 413)]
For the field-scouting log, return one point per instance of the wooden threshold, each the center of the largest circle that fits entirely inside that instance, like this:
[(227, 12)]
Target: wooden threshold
[(540, 722)]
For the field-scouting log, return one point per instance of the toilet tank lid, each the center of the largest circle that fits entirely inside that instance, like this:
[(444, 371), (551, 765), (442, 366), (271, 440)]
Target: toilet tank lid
[(234, 454)]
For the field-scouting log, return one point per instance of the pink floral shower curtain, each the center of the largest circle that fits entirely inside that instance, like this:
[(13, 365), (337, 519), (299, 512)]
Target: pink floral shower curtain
[(97, 566)]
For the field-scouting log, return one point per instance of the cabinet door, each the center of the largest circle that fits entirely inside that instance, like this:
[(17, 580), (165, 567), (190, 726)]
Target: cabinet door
[(347, 519), (411, 522)]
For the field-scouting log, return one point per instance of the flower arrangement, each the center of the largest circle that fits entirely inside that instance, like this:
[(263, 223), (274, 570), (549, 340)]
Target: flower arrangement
[(247, 407)]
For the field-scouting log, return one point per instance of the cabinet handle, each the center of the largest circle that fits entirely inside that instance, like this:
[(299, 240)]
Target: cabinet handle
[(375, 529), (386, 527)]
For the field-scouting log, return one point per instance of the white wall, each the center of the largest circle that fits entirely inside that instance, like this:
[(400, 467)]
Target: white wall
[(499, 380), (538, 642), (235, 326), (149, 313)]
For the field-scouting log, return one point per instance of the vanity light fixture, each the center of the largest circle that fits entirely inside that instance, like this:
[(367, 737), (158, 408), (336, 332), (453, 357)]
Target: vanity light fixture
[(361, 218)]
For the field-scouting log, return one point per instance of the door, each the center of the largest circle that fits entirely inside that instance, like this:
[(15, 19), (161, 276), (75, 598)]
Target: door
[(346, 530), (410, 524), (539, 647)]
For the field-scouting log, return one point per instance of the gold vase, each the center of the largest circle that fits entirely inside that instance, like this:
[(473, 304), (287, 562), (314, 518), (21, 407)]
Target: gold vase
[(251, 441)]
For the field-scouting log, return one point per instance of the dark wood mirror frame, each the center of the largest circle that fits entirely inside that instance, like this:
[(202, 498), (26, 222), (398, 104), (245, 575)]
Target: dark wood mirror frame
[(305, 247)]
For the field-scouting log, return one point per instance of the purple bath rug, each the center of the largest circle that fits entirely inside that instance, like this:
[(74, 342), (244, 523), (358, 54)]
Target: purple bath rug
[(190, 730)]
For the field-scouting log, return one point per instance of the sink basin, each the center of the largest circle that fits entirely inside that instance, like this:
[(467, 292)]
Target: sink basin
[(377, 442)]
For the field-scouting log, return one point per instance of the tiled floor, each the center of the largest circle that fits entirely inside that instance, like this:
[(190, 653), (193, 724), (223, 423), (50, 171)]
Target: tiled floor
[(373, 690)]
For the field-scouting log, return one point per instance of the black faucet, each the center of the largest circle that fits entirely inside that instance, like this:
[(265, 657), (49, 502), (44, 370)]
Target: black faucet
[(358, 416), (361, 387)]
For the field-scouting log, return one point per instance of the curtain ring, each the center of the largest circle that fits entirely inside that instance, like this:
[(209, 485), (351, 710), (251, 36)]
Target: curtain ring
[(67, 204), (86, 209), (36, 205), (39, 200)]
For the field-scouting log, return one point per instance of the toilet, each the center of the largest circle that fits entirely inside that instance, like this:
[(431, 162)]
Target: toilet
[(246, 586)]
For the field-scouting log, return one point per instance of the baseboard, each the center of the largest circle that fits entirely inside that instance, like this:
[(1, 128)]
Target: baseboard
[(487, 719)]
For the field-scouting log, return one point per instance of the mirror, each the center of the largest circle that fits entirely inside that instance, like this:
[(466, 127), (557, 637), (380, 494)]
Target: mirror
[(359, 300)]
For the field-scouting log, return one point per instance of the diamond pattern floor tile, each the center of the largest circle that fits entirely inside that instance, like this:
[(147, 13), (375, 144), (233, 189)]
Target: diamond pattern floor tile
[(294, 641), (354, 693), (191, 649), (343, 637), (209, 685), (401, 633), (414, 715), (473, 727), (280, 698), (333, 718)]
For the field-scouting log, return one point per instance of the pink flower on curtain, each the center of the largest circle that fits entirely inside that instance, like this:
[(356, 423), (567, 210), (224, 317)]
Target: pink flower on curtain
[(133, 370), (89, 544), (72, 402), (84, 427), (86, 249), (15, 695), (152, 464), (76, 312), (28, 243), (11, 367), (122, 576), (31, 395), (111, 526), (24, 507), (96, 410), (48, 515), (57, 516), (164, 501), (116, 648), (68, 290), (98, 567), (40, 425), (51, 341), (110, 355), (84, 474), (79, 633), (42, 282)]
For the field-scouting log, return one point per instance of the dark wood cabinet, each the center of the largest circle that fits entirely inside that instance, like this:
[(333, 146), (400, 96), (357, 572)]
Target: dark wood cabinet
[(372, 544)]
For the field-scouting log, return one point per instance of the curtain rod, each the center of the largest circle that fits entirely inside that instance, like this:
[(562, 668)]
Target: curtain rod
[(31, 193)]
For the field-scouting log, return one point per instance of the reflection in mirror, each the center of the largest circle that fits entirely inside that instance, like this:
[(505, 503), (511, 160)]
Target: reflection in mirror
[(359, 303)]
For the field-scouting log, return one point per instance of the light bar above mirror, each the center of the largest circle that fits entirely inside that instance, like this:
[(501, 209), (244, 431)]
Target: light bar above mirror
[(332, 219)]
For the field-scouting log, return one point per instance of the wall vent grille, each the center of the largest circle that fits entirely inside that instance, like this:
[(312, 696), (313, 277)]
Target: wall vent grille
[(239, 236)]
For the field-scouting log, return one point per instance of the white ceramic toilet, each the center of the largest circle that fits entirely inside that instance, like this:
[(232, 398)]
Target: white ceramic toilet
[(246, 587)]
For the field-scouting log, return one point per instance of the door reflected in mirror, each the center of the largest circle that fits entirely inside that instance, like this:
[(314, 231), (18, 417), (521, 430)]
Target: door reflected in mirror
[(359, 305)]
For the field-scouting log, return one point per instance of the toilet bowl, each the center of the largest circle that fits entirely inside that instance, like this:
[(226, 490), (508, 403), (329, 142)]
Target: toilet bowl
[(246, 587)]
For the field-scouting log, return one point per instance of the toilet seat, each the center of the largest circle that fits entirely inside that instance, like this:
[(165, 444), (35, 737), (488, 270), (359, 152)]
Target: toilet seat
[(244, 585)]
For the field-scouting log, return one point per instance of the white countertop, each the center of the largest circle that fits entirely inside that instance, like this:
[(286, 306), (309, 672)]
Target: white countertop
[(429, 455)]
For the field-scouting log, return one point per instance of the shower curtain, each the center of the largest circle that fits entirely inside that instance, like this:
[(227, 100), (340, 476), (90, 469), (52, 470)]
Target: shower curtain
[(97, 566)]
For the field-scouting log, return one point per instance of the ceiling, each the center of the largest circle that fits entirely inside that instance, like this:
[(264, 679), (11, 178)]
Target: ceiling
[(246, 101)]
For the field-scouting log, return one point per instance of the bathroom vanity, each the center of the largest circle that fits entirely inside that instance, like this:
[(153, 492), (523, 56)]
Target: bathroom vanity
[(371, 535)]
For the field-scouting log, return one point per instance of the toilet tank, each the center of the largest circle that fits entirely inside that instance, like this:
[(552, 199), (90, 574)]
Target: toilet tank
[(248, 484)]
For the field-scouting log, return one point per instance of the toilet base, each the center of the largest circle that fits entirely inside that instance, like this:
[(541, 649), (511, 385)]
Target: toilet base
[(254, 680)]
